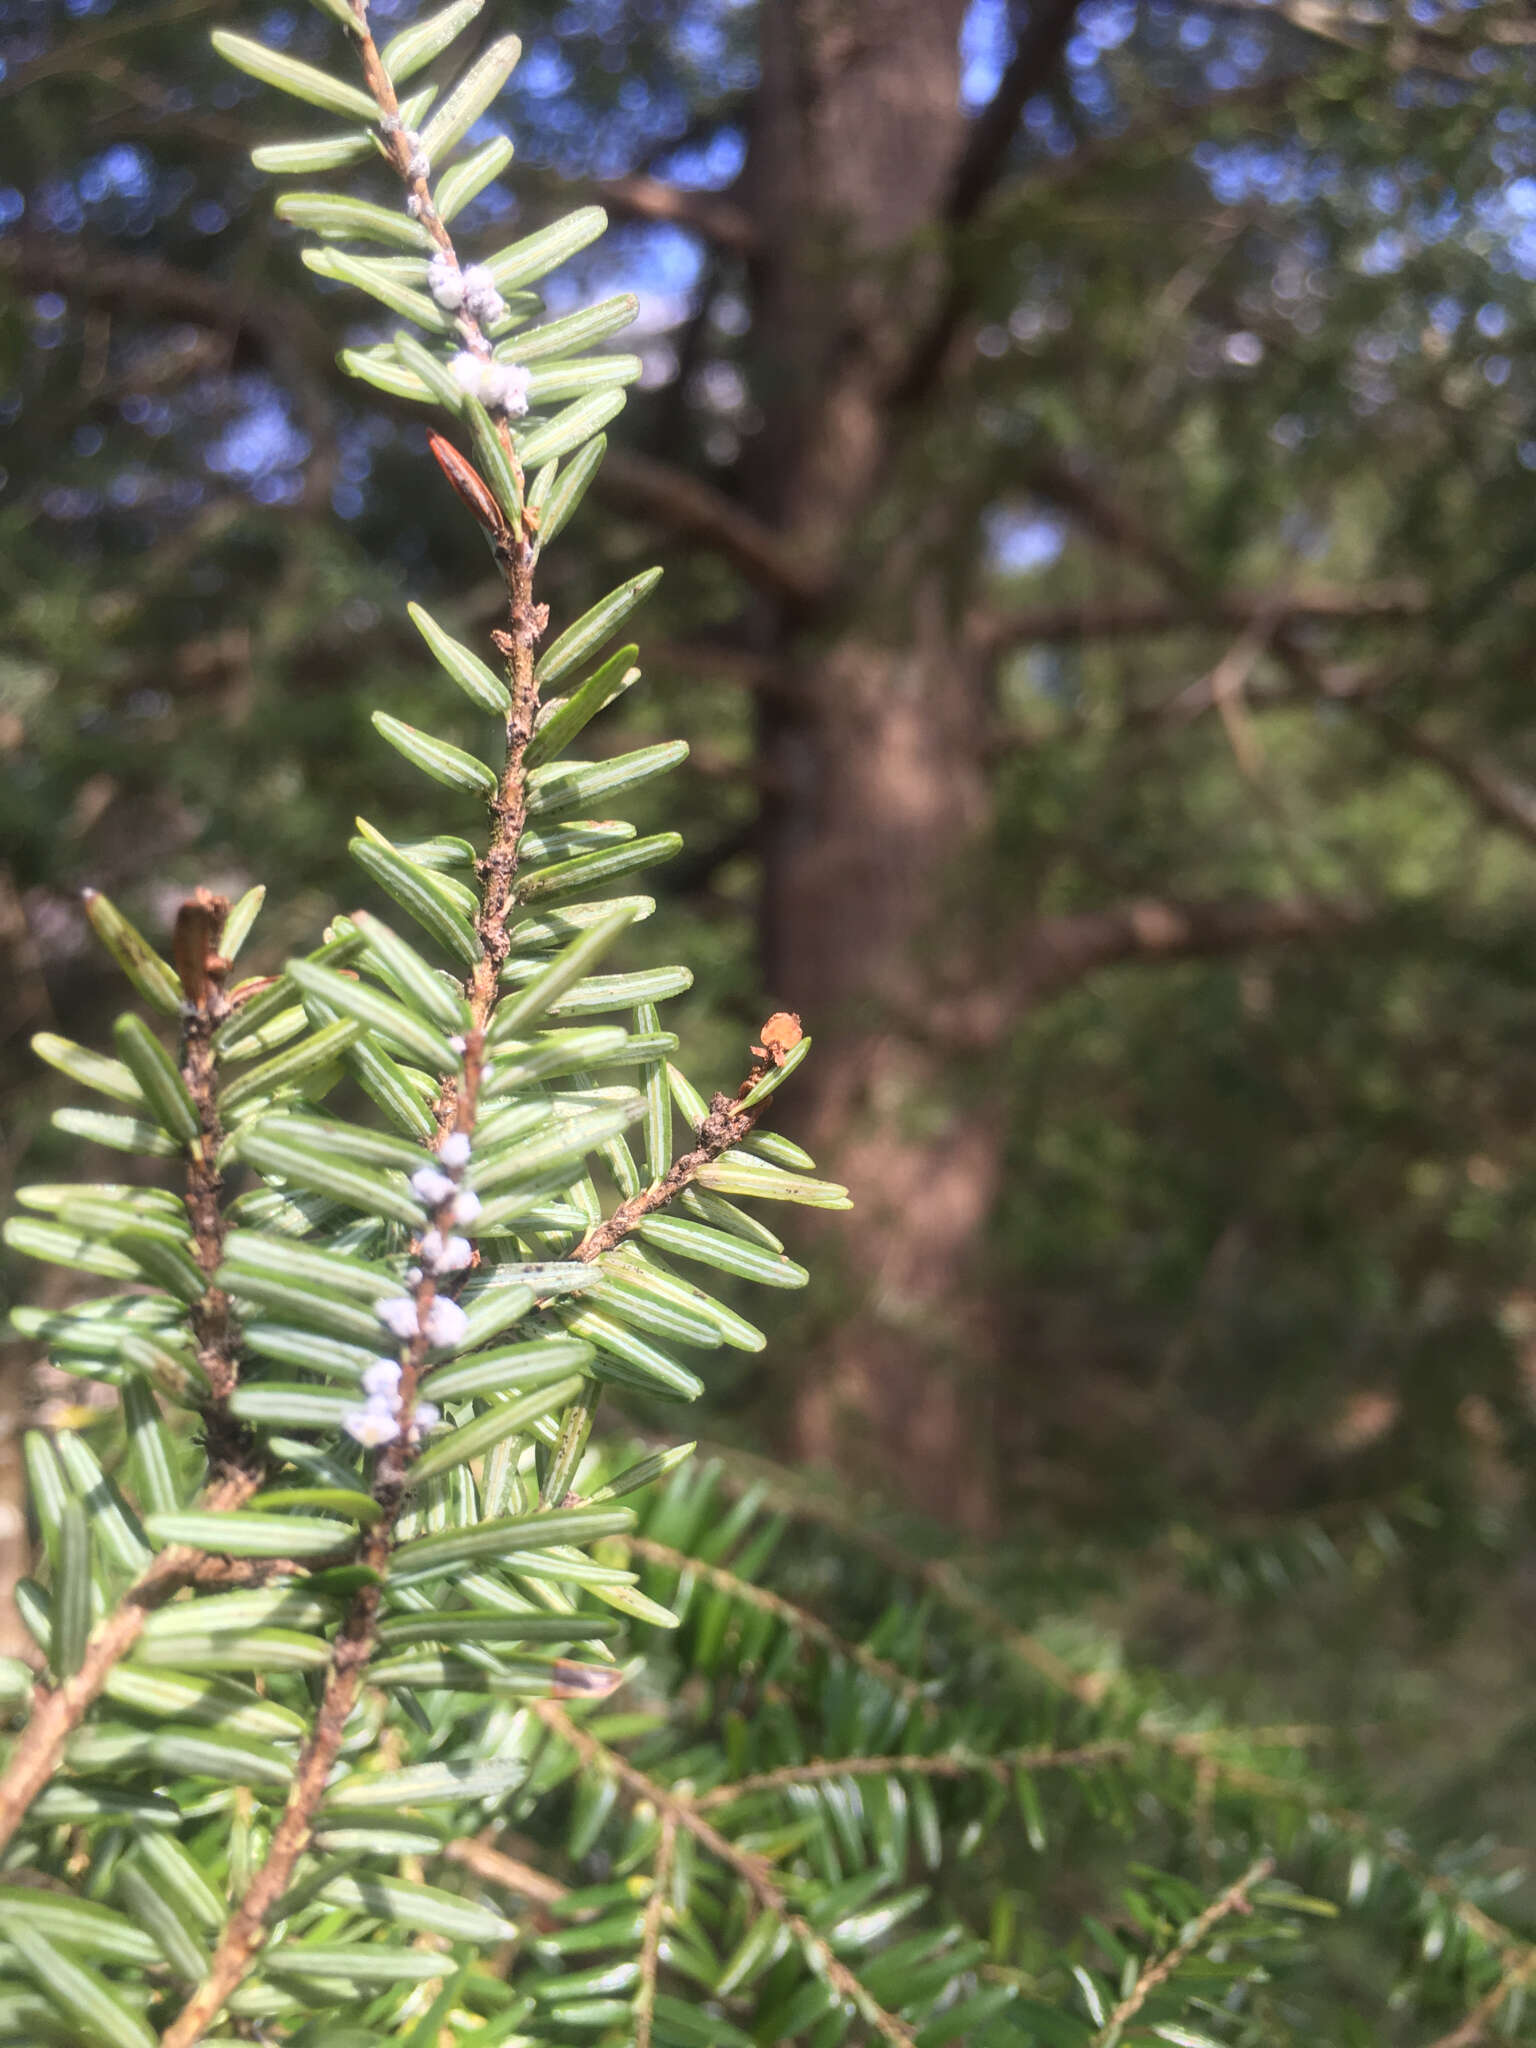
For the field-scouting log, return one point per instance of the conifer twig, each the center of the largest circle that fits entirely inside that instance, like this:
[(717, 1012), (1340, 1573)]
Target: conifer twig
[(934, 1573), (352, 1648), (730, 1119), (752, 1869), (1290, 1735), (799, 1619), (948, 1763), (650, 1938), (58, 1710), (1474, 2027), (1505, 1942), (944, 1579), (514, 536), (493, 1866), (1233, 1900)]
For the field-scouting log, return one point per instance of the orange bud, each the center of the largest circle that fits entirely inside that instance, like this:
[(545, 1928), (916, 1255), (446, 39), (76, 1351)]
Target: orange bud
[(781, 1034)]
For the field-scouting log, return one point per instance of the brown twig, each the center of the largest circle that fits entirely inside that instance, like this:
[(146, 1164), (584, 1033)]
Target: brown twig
[(951, 1763), (1474, 2027), (245, 1929), (83, 52), (699, 511), (1037, 56), (1233, 1900), (493, 1866), (941, 1578), (58, 1710), (278, 325), (968, 1763), (728, 1122), (1505, 800), (1051, 954), (650, 1937), (726, 1125), (235, 1472), (1511, 1948), (1228, 683), (710, 214), (952, 1586), (798, 1619), (1291, 1735), (509, 811), (751, 1869)]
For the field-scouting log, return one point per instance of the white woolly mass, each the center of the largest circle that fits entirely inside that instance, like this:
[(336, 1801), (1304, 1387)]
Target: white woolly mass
[(427, 1416), (431, 1187), (500, 387), (458, 1043), (381, 1383), (445, 281), (371, 1425), (447, 1324), (420, 165), (454, 1150), (473, 289), (466, 1207), (397, 1314), (512, 389), (452, 1257), (482, 301)]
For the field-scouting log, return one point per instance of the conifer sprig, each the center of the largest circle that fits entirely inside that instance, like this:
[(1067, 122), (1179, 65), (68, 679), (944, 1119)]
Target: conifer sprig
[(190, 1101), (349, 1235), (430, 1318), (384, 1697)]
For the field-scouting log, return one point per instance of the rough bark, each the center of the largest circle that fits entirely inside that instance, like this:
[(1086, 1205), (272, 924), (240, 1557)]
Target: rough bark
[(858, 130), (888, 786), (872, 735)]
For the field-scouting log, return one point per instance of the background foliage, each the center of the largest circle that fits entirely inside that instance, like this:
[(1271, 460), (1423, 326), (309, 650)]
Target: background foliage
[(1201, 453)]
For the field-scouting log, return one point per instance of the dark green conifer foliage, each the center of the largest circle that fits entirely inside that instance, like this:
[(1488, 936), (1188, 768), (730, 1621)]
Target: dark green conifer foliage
[(381, 1700)]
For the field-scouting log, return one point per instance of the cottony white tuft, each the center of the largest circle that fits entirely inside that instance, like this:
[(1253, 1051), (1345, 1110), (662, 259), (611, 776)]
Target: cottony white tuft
[(431, 1187), (447, 1324), (381, 1383), (500, 387), (398, 1314), (482, 301), (371, 1425), (445, 281), (450, 1257)]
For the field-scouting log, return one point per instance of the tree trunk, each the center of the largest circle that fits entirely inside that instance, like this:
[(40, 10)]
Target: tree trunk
[(888, 791), (872, 736)]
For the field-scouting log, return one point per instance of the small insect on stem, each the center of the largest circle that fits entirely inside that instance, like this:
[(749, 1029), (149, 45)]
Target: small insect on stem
[(471, 489)]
